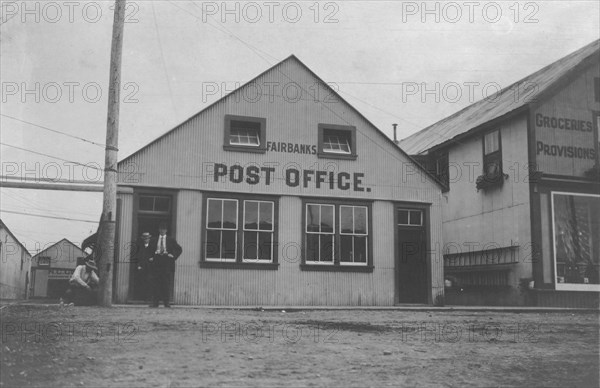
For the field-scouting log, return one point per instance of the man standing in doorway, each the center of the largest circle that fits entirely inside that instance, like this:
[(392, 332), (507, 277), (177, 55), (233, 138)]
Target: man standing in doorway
[(166, 251), (145, 260)]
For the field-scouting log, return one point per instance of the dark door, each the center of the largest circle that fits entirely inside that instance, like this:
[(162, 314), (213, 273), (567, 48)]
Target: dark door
[(411, 257), (151, 211)]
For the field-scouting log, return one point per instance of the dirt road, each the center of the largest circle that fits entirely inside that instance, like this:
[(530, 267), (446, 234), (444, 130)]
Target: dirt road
[(46, 346)]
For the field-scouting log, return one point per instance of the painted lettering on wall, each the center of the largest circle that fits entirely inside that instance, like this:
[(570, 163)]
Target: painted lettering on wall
[(292, 148), (328, 180), (567, 124), (565, 151)]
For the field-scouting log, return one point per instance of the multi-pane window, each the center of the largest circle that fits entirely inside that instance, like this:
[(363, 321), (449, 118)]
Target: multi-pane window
[(221, 229), (240, 230), (336, 234), (492, 158), (244, 133), (155, 203), (353, 235), (258, 231), (320, 233), (408, 217), (336, 142), (43, 261)]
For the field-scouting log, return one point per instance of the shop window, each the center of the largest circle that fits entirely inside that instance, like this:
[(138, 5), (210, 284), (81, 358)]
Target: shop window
[(320, 236), (43, 261), (221, 229), (241, 231), (492, 162), (258, 231), (337, 141), (576, 229), (353, 235), (247, 134), (336, 237)]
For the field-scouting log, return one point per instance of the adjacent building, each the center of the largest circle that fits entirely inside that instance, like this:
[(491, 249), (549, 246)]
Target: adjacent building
[(521, 207), (281, 193), (52, 268), (15, 266)]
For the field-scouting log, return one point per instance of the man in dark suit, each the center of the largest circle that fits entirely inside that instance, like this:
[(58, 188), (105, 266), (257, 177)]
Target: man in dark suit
[(144, 253), (166, 251)]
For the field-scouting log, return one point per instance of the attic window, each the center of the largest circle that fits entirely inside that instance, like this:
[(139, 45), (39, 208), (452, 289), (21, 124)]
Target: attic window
[(246, 134), (337, 141), (44, 261)]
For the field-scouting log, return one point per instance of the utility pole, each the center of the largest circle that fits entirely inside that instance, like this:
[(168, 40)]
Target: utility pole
[(106, 232)]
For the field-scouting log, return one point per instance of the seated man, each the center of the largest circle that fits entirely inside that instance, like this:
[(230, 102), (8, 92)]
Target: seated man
[(83, 285)]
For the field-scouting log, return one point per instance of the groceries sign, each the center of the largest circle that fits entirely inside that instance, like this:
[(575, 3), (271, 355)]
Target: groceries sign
[(566, 142)]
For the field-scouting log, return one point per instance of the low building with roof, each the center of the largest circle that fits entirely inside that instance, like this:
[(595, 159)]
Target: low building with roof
[(52, 268), (521, 208), (15, 265)]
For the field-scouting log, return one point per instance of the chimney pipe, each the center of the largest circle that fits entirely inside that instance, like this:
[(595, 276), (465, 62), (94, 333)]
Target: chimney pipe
[(395, 137)]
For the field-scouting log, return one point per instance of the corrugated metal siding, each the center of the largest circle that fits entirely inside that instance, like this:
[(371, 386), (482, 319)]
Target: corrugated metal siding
[(125, 247), (12, 277), (289, 285), (183, 159)]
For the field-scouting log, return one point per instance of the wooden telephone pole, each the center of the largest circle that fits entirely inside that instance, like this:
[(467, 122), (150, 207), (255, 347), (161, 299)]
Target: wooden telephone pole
[(106, 232)]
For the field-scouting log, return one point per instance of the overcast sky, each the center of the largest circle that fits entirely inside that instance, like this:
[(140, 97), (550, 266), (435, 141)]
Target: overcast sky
[(178, 57)]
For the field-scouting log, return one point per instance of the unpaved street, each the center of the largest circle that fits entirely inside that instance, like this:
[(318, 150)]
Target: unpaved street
[(46, 346)]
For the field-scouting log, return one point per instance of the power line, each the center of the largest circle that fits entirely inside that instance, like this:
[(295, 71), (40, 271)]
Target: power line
[(50, 156), (54, 130), (45, 216)]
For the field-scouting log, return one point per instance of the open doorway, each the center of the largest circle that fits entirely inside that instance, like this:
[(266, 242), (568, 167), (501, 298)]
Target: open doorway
[(151, 210)]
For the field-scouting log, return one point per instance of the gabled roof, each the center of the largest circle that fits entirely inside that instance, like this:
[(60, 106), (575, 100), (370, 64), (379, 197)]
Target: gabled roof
[(333, 93), (504, 103), (3, 226), (42, 253)]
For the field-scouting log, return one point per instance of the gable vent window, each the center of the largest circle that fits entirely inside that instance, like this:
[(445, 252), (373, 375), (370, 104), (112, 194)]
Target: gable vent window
[(246, 134), (337, 142)]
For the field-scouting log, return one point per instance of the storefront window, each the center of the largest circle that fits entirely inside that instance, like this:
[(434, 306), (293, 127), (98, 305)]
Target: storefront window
[(258, 231), (576, 219), (240, 231), (320, 233), (337, 235)]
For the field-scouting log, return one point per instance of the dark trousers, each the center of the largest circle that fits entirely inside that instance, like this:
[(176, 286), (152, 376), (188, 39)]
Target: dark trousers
[(81, 296), (159, 283)]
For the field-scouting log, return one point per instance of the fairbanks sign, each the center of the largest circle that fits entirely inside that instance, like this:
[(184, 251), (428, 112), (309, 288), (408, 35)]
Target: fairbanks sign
[(293, 177)]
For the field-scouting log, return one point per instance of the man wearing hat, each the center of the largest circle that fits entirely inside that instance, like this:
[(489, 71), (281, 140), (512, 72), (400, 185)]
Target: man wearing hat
[(166, 251), (83, 285), (144, 257)]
